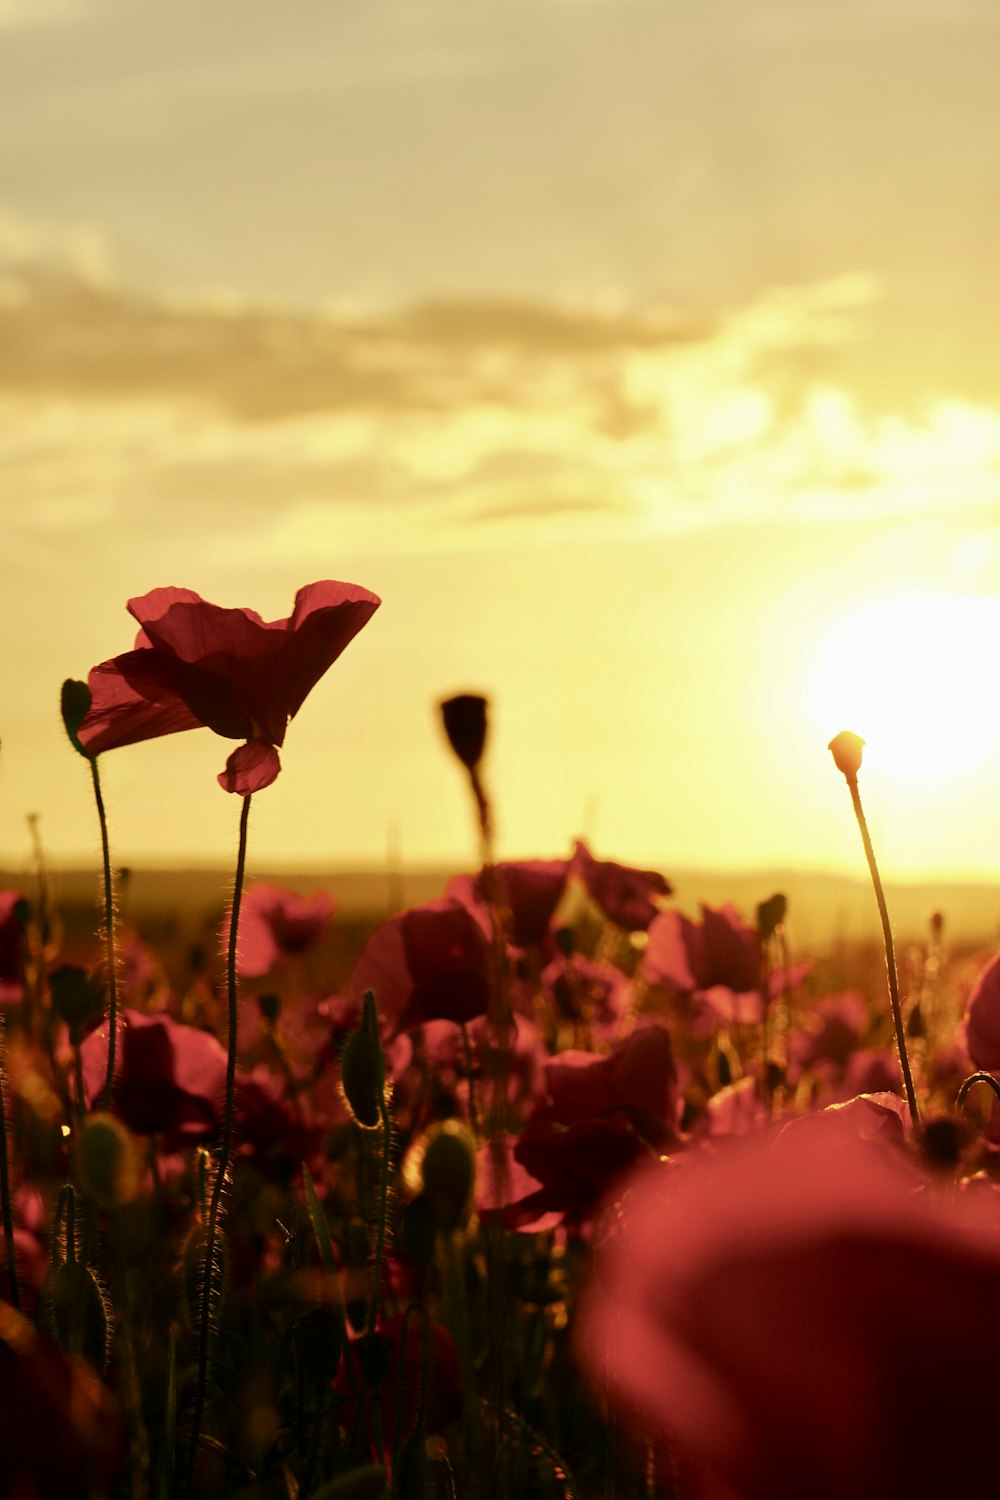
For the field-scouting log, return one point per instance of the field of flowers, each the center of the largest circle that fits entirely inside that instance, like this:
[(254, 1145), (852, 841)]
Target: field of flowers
[(537, 1189)]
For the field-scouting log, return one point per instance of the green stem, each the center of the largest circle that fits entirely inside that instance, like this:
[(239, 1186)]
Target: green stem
[(890, 952), (227, 1144), (8, 1218), (110, 957)]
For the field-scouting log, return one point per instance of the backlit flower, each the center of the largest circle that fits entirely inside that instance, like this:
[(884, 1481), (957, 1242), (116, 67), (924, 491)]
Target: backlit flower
[(195, 664), (625, 895), (276, 925)]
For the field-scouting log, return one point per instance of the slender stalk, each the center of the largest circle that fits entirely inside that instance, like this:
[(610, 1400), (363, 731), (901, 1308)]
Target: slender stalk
[(211, 1232), (973, 1079), (8, 1218), (110, 955), (890, 952)]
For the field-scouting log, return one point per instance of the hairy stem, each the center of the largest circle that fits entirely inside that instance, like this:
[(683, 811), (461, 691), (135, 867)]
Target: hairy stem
[(211, 1232), (110, 956)]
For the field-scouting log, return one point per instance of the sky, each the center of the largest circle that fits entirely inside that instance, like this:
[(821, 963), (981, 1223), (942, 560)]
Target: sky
[(640, 354)]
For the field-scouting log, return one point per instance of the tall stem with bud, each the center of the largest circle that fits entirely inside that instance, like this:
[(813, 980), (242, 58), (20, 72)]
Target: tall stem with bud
[(846, 750)]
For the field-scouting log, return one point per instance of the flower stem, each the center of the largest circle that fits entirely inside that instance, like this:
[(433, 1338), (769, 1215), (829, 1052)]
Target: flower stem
[(890, 952), (973, 1079), (110, 956), (211, 1232)]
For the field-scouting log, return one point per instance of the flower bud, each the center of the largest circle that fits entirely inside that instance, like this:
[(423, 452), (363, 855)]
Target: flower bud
[(845, 748), (465, 725), (74, 704)]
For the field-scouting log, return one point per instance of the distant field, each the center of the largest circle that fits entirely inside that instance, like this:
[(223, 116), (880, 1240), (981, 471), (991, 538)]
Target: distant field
[(824, 911)]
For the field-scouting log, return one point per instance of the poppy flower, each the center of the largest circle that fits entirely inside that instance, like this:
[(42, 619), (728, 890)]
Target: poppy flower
[(717, 962), (276, 925), (602, 1116), (430, 963), (801, 1321), (527, 890), (195, 664), (626, 896), (60, 1430), (169, 1078), (982, 1019)]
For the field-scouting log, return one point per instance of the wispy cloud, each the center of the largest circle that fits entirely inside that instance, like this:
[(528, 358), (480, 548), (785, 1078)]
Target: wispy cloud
[(455, 424)]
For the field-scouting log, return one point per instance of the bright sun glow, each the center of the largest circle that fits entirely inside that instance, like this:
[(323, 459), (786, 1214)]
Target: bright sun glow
[(912, 675)]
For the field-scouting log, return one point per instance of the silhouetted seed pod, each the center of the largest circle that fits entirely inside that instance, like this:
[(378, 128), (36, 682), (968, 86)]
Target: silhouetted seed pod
[(770, 915), (361, 1077), (845, 748), (76, 997), (77, 1312), (269, 1006), (465, 725)]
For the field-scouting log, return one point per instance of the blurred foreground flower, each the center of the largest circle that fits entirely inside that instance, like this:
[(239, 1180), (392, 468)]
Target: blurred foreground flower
[(196, 664), (60, 1431), (802, 1321)]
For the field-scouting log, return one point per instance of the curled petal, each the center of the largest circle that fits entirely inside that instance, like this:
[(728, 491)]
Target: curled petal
[(250, 768)]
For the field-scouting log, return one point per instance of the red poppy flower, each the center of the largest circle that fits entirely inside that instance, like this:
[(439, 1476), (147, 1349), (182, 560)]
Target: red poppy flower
[(276, 925), (603, 1115), (197, 664), (717, 961), (982, 1019), (800, 1322), (527, 890), (169, 1078), (60, 1430), (431, 963), (627, 896)]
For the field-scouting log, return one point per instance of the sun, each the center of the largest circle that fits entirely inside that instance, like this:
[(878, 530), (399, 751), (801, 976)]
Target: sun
[(915, 675)]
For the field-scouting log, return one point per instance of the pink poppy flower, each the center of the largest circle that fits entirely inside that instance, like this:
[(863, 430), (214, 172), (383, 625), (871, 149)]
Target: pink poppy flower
[(628, 897), (169, 1078), (982, 1019), (431, 963), (528, 892), (276, 925), (801, 1321), (195, 664), (717, 961)]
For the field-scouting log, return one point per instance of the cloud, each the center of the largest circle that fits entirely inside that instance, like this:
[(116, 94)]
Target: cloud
[(273, 432)]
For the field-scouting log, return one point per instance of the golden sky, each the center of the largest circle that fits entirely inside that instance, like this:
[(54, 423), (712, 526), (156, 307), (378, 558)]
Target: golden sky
[(640, 354)]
